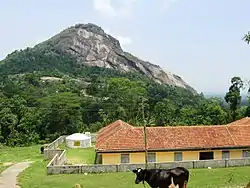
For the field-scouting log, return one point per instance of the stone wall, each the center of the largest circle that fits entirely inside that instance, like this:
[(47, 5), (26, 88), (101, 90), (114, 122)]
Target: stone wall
[(93, 137), (58, 159), (61, 158), (51, 149), (99, 168), (53, 161), (49, 154), (55, 143)]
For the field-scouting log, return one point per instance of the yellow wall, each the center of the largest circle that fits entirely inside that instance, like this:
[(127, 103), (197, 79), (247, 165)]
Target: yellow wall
[(111, 158), (217, 154), (190, 155), (135, 158), (235, 154), (164, 157)]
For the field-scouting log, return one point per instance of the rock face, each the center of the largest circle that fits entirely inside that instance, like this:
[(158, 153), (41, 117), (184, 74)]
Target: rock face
[(92, 46)]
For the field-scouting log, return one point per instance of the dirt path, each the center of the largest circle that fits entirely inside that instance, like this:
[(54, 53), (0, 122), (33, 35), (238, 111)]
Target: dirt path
[(8, 178)]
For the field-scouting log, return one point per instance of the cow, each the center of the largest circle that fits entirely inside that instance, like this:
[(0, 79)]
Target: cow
[(163, 178), (42, 150)]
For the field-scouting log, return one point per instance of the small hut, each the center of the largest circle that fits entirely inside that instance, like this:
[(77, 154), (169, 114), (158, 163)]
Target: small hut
[(78, 140)]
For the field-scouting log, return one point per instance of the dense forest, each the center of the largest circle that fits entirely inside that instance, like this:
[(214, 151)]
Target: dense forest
[(44, 94)]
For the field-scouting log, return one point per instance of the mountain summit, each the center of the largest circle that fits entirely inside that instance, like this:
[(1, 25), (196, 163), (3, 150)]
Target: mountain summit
[(90, 45), (84, 45)]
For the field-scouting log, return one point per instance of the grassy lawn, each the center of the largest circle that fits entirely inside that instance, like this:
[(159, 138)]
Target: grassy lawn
[(35, 177), (79, 155), (17, 154), (3, 167), (9, 155)]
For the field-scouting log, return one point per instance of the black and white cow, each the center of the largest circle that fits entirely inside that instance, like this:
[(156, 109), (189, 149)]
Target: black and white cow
[(163, 178)]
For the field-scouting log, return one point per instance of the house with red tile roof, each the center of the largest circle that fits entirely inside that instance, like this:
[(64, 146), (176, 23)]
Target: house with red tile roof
[(120, 142)]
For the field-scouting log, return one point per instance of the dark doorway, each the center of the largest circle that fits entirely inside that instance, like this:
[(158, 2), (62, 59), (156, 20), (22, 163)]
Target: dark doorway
[(206, 155)]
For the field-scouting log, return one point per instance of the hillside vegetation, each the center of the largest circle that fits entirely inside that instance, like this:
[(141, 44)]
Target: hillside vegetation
[(44, 94)]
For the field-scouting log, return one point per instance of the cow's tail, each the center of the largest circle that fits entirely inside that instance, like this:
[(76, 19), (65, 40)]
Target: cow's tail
[(187, 174)]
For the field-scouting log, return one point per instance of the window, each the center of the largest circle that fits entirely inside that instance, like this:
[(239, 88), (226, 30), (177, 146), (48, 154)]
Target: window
[(245, 153), (99, 159), (178, 156), (77, 143), (225, 154), (206, 155), (151, 158), (125, 158)]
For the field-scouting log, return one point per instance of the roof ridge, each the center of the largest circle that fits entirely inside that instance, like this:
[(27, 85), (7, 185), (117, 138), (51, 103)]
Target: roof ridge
[(241, 121), (112, 128), (184, 126), (126, 125), (237, 125), (122, 127), (231, 135)]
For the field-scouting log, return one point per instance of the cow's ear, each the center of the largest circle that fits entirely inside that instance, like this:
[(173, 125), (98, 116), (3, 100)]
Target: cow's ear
[(135, 171)]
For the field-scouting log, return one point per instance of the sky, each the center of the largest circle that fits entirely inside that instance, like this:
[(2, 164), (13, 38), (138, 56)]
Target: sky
[(199, 40)]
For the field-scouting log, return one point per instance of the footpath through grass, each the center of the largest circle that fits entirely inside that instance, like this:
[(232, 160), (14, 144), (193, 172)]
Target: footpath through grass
[(35, 176), (10, 156), (3, 167)]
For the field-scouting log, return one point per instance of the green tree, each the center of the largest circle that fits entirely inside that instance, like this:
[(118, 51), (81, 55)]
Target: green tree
[(246, 37), (61, 115), (233, 96), (165, 112), (122, 99), (18, 123), (213, 112)]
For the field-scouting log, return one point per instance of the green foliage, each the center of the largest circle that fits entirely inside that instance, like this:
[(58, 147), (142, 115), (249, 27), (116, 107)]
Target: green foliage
[(78, 98), (18, 124), (233, 96), (246, 37)]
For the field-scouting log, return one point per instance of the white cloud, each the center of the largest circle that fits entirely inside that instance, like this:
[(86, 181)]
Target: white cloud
[(107, 8), (104, 6)]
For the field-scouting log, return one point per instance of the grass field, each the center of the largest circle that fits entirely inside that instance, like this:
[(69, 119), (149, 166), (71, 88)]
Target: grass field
[(36, 177), (9, 156), (79, 155)]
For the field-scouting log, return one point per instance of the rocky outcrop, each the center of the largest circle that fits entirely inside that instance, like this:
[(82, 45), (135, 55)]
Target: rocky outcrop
[(92, 46)]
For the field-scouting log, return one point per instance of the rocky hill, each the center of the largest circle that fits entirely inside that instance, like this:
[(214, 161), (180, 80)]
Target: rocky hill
[(89, 45), (92, 46), (81, 80)]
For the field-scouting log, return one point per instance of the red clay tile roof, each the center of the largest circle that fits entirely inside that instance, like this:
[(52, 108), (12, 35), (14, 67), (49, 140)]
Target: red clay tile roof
[(241, 134), (243, 121), (120, 136), (111, 129)]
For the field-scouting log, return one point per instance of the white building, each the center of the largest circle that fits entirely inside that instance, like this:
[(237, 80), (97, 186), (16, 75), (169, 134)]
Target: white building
[(78, 140)]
